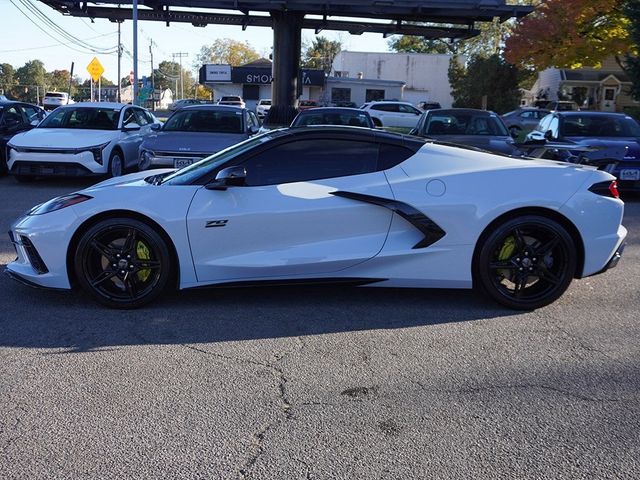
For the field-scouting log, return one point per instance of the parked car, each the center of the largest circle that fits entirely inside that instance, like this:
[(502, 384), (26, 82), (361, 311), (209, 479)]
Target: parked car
[(344, 104), (232, 100), (467, 126), (429, 105), (613, 135), (562, 106), (15, 117), (82, 139), (353, 117), (307, 104), (392, 114), (263, 107), (195, 132), (329, 204), (523, 119), (185, 102), (53, 100)]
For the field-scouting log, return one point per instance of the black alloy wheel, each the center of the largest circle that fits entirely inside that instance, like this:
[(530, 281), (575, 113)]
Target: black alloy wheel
[(526, 263), (122, 263)]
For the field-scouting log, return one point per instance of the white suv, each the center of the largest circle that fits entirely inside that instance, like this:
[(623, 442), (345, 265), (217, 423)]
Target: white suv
[(233, 100), (392, 114), (53, 100), (263, 107)]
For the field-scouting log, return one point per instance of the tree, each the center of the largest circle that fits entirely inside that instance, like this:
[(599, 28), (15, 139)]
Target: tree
[(168, 75), (632, 63), (32, 76), (413, 44), (570, 34), (320, 54), (7, 76), (492, 77), (226, 51)]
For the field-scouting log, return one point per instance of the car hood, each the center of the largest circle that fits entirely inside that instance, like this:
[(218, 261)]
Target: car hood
[(131, 179), (60, 138), (623, 148), (191, 142), (492, 144)]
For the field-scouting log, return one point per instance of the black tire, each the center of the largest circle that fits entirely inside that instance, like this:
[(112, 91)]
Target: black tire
[(514, 131), (526, 263), (25, 178), (122, 263), (116, 163), (377, 123)]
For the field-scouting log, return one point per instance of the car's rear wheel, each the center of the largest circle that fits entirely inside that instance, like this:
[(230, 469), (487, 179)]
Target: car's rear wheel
[(515, 131), (377, 122), (122, 263), (526, 262)]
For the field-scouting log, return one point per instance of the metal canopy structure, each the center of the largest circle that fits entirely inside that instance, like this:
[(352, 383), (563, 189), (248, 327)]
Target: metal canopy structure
[(452, 19)]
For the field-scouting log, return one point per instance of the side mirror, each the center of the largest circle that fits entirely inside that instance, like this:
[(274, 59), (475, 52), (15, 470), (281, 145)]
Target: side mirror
[(548, 135), (253, 129), (131, 127), (228, 177), (156, 126)]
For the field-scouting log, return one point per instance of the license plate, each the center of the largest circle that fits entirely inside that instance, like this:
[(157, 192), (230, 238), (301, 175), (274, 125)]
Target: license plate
[(630, 174), (182, 162)]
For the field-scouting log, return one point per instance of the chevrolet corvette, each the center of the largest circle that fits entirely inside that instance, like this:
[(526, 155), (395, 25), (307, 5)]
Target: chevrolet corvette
[(330, 204)]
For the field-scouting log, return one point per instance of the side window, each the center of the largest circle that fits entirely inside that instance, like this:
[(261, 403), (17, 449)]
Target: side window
[(408, 109), (386, 107), (553, 126), (528, 114), (32, 113), (543, 126), (140, 117), (149, 116), (12, 116), (312, 159), (391, 155), (129, 116)]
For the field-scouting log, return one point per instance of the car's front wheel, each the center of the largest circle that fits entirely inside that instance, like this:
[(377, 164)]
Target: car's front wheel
[(116, 164), (526, 263), (122, 263)]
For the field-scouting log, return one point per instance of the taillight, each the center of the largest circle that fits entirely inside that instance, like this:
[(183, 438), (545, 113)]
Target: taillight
[(607, 189)]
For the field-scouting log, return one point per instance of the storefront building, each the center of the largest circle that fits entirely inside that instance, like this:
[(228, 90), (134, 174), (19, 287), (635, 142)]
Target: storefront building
[(253, 81)]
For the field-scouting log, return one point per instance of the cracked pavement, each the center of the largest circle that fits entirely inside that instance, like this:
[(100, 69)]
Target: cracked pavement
[(319, 382)]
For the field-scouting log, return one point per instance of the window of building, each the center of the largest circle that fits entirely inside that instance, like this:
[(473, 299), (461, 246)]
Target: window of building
[(251, 92), (374, 95), (341, 74), (340, 95)]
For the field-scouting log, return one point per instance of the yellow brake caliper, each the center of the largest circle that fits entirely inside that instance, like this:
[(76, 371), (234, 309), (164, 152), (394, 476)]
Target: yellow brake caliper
[(142, 252)]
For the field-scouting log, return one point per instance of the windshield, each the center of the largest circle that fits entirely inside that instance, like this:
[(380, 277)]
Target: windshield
[(212, 121), (55, 95), (599, 126), (188, 175), (313, 117), (82, 118), (464, 123)]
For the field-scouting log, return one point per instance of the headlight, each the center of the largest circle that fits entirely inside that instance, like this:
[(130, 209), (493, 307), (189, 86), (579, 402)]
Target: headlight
[(96, 151), (59, 202)]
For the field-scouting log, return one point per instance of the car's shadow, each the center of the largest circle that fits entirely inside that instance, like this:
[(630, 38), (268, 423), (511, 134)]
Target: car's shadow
[(49, 319)]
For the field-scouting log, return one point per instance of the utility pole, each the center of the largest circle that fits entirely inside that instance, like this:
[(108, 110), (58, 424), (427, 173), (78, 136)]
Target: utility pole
[(153, 85), (180, 55), (119, 97), (135, 52)]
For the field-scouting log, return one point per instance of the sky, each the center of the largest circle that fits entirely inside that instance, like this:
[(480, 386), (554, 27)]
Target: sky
[(21, 41)]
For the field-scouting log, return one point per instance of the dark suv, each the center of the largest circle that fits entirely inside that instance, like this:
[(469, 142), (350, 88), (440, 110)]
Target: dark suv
[(15, 117)]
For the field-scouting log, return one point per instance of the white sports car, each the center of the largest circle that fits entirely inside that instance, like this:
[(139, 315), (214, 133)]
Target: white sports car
[(330, 204)]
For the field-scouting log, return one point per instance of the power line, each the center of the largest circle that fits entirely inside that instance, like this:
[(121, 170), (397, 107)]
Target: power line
[(70, 39), (54, 45)]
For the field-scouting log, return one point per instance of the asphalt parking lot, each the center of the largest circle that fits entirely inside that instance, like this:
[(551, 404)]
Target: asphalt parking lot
[(319, 382)]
